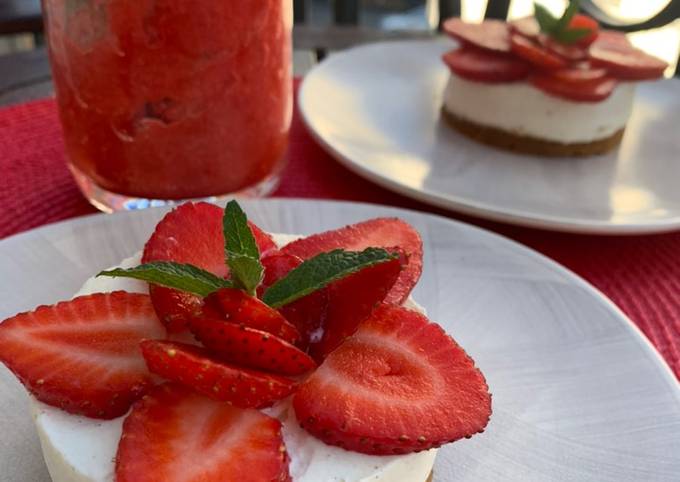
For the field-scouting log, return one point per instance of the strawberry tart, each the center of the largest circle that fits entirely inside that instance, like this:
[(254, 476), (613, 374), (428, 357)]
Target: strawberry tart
[(543, 85), (224, 353)]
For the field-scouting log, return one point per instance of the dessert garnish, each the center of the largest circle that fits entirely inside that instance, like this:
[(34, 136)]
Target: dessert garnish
[(543, 84), (319, 319)]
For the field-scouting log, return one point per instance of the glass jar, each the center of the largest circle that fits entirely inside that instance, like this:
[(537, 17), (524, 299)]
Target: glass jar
[(171, 99)]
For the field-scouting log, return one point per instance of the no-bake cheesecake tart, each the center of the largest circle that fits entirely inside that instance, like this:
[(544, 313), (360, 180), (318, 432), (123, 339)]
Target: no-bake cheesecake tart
[(225, 353), (543, 85)]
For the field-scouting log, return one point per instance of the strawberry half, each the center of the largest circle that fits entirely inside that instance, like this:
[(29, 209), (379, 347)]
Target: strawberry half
[(191, 233), (379, 233), (399, 385), (193, 366), (242, 309), (174, 435), (307, 314), (351, 300), (250, 347), (83, 355)]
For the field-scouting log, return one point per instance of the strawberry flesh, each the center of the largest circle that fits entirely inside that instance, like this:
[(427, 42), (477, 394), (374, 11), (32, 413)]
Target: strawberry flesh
[(240, 308), (379, 233), (351, 300), (400, 384), (175, 435), (483, 66), (534, 53), (594, 90), (191, 233), (83, 355), (490, 35), (308, 313), (249, 347), (614, 52), (194, 367)]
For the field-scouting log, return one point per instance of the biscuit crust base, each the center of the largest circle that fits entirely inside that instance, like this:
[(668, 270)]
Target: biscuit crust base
[(530, 145)]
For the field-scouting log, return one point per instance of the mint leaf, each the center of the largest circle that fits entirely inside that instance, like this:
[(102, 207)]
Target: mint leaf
[(568, 14), (183, 277), (321, 270), (241, 251), (544, 18), (572, 35)]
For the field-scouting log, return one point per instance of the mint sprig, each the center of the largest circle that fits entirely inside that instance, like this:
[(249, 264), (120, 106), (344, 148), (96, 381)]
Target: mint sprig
[(241, 251), (184, 277), (321, 270), (558, 28)]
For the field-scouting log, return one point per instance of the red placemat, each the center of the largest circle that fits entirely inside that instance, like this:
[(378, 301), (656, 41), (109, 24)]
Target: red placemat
[(639, 273)]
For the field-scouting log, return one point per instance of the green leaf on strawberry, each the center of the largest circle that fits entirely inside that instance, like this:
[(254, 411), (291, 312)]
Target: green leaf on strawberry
[(180, 276), (241, 251), (243, 258), (545, 19), (561, 29), (321, 270)]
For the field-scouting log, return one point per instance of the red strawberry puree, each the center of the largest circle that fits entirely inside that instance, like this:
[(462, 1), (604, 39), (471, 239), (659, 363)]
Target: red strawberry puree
[(172, 99)]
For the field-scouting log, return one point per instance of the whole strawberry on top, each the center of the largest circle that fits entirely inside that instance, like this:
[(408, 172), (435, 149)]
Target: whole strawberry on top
[(542, 84), (316, 325)]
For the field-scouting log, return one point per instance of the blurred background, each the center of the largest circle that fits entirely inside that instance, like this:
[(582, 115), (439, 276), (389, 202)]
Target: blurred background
[(323, 26)]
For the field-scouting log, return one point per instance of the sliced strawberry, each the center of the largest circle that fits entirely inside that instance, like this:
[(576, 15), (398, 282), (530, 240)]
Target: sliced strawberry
[(594, 90), (83, 355), (568, 52), (579, 73), (242, 309), (351, 301), (307, 314), (191, 233), (380, 233), (489, 35), (249, 347), (580, 21), (534, 53), (613, 51), (527, 26), (483, 66), (400, 384), (174, 435), (193, 366)]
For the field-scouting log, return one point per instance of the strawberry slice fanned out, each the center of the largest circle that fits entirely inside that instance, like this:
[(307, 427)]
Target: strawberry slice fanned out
[(240, 308), (193, 367), (400, 384), (329, 315), (379, 233), (351, 300), (192, 233), (175, 435), (83, 355), (308, 313), (250, 347)]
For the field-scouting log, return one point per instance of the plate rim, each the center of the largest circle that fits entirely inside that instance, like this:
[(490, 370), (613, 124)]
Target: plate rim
[(456, 203), (645, 343)]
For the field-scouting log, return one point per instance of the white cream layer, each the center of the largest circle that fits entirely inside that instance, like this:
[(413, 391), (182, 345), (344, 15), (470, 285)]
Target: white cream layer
[(520, 108), (79, 449)]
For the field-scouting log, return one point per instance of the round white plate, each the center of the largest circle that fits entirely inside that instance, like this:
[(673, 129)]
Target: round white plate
[(376, 108), (578, 393)]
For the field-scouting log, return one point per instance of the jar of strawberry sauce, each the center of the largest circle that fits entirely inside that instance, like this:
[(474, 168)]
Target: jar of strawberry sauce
[(171, 99)]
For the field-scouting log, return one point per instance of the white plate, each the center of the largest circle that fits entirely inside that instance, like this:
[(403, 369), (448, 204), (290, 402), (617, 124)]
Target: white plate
[(376, 108), (578, 393)]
